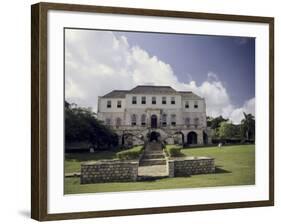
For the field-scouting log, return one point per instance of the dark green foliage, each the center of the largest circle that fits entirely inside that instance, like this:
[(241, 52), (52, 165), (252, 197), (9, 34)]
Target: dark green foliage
[(133, 153), (223, 131), (226, 130), (81, 125), (248, 127), (214, 123), (173, 151)]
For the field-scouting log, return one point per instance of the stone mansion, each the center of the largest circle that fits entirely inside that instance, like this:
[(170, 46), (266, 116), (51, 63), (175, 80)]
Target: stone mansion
[(155, 113)]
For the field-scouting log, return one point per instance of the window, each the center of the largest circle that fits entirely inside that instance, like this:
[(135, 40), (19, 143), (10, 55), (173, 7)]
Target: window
[(143, 100), (164, 120), (119, 104), (173, 101), (187, 121), (196, 122), (118, 122), (173, 120), (153, 100), (186, 104), (134, 100), (109, 104), (143, 120), (164, 101), (195, 104), (134, 120), (107, 121)]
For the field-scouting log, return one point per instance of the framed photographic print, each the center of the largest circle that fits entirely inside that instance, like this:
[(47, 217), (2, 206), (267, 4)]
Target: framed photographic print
[(141, 111)]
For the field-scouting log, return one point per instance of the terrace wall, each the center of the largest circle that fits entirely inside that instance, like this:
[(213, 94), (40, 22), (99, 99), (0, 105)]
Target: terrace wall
[(181, 167), (109, 171)]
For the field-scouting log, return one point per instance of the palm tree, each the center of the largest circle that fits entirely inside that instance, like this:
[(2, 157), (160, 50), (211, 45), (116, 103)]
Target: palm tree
[(248, 125)]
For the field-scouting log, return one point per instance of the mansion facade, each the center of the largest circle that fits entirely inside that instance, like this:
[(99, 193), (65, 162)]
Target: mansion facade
[(155, 113)]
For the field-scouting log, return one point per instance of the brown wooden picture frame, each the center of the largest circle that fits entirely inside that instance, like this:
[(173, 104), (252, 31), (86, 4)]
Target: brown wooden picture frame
[(39, 107)]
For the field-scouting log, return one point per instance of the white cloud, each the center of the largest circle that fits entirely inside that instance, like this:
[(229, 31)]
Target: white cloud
[(237, 114), (98, 62), (212, 76)]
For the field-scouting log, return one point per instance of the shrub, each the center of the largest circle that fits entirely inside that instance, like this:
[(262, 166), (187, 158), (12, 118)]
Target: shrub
[(133, 153), (173, 151)]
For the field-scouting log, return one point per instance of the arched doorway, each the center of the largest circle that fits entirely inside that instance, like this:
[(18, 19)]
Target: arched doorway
[(154, 136), (205, 138), (192, 138), (153, 121)]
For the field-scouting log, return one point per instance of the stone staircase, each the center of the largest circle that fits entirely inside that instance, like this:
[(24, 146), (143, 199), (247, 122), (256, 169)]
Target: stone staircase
[(153, 155), (153, 163)]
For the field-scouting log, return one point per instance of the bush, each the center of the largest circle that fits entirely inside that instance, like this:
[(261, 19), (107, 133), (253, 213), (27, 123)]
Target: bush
[(173, 151), (129, 154)]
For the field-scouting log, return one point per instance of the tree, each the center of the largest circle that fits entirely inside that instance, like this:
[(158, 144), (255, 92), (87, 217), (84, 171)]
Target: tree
[(215, 122), (226, 130), (248, 126), (81, 125), (209, 121)]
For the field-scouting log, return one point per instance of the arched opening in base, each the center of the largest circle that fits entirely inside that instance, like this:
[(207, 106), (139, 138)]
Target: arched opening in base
[(191, 138), (154, 136)]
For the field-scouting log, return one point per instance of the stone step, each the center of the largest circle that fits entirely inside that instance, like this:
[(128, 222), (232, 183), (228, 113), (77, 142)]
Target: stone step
[(154, 151), (154, 146), (151, 162), (154, 156), (150, 173)]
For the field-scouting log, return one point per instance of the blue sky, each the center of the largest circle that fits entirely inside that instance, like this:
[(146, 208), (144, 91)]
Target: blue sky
[(221, 69), (192, 57)]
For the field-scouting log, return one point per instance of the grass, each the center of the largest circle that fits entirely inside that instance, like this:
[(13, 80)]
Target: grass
[(73, 160), (235, 165), (174, 150), (133, 153)]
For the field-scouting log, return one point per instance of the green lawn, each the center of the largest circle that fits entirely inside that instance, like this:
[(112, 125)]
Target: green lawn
[(235, 165), (73, 160)]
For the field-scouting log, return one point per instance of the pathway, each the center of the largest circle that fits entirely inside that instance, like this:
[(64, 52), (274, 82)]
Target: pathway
[(153, 164)]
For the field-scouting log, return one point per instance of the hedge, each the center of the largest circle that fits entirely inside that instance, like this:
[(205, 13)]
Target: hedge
[(173, 151), (129, 154)]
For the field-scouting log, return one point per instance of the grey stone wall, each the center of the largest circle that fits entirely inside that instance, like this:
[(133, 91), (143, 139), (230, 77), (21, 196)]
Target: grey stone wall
[(170, 165), (187, 166), (109, 171)]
